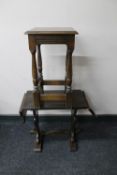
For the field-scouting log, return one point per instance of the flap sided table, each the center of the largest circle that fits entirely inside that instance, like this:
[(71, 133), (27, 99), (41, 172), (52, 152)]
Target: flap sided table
[(38, 98)]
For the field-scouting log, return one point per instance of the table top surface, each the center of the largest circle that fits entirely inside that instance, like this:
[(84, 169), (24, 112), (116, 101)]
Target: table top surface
[(76, 100), (52, 30)]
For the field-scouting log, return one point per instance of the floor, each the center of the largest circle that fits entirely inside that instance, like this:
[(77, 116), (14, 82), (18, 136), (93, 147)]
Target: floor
[(96, 155)]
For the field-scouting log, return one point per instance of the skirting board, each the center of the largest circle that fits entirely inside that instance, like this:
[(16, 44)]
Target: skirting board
[(100, 117)]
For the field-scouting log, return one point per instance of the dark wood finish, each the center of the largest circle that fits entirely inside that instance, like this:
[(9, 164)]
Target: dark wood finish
[(40, 76), (75, 100), (39, 140), (52, 31), (73, 141), (32, 47), (53, 97), (68, 79), (39, 36), (54, 82), (40, 99)]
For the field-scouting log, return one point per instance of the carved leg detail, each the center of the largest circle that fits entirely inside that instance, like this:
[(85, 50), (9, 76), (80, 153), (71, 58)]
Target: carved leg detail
[(68, 78), (73, 140), (40, 75), (39, 141)]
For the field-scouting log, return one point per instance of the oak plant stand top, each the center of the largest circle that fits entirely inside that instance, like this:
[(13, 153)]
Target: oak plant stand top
[(38, 98)]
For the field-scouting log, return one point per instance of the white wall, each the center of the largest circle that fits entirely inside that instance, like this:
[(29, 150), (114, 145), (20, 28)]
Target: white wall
[(95, 55)]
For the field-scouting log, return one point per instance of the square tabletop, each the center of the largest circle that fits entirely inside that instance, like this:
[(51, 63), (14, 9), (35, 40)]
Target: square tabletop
[(52, 30)]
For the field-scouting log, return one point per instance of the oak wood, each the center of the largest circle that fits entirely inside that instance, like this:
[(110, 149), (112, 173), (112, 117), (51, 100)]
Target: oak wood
[(69, 68), (39, 36), (40, 76), (76, 100), (40, 99), (53, 82), (32, 48), (53, 97), (52, 30), (39, 140)]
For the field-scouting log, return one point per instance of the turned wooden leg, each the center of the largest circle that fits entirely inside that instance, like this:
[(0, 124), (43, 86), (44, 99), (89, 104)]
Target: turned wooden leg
[(73, 140), (68, 79), (39, 70), (39, 141)]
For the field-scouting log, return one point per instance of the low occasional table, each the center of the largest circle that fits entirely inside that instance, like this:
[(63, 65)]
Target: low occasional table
[(38, 98)]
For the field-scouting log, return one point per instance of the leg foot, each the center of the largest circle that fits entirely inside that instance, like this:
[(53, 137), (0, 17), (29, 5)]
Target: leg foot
[(73, 146), (73, 140), (38, 146), (39, 140)]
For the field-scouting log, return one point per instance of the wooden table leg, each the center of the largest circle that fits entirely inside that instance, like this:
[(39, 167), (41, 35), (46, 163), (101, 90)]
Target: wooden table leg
[(39, 140), (73, 139), (92, 112)]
